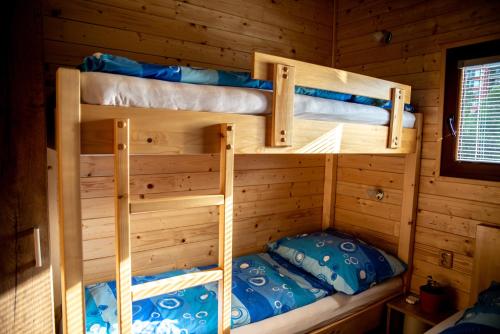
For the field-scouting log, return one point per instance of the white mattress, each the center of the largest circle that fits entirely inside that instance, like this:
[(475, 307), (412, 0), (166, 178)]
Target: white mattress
[(321, 312), (447, 323), (120, 90)]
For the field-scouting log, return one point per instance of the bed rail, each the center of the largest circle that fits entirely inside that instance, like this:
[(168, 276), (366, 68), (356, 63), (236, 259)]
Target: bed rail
[(163, 131), (286, 73), (172, 284), (175, 203)]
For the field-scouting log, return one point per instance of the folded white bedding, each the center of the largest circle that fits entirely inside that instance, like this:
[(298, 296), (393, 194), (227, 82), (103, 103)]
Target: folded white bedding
[(119, 90), (322, 312)]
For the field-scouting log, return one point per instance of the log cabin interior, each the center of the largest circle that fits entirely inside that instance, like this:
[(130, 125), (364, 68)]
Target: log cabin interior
[(250, 166)]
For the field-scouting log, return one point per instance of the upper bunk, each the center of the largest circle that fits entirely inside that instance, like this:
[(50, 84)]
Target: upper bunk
[(168, 131)]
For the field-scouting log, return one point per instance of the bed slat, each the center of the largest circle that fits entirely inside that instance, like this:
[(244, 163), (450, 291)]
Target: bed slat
[(175, 203), (171, 284)]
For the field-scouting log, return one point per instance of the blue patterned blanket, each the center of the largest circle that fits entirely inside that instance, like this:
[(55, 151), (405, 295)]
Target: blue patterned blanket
[(120, 65), (264, 285)]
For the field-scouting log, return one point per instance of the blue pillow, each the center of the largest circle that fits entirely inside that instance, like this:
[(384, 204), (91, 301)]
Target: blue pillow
[(341, 260)]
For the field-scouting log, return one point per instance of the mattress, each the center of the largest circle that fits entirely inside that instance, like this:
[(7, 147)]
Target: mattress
[(445, 324), (264, 285), (323, 311), (269, 295), (120, 90)]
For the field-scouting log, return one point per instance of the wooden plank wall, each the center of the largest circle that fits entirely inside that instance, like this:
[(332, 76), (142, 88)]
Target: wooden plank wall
[(25, 290), (274, 196), (448, 209), (357, 210), (213, 34)]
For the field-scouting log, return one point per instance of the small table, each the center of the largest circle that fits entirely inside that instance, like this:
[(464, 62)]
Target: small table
[(400, 307)]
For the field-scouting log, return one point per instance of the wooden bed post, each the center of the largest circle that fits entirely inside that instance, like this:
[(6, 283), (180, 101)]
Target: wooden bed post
[(283, 99), (122, 226), (329, 191), (70, 216), (226, 226), (409, 204)]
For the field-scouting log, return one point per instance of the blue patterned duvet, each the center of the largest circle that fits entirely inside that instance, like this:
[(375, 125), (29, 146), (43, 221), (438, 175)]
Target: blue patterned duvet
[(264, 285)]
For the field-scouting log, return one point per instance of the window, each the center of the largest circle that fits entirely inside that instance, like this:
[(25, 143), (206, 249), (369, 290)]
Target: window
[(471, 115), (479, 113)]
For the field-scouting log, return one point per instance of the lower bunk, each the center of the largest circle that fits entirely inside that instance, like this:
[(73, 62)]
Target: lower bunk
[(308, 283)]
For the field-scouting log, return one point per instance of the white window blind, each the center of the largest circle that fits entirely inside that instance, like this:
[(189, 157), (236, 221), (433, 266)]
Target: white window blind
[(479, 121)]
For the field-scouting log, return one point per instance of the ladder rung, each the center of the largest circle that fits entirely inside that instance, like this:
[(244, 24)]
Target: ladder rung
[(175, 203), (171, 284)]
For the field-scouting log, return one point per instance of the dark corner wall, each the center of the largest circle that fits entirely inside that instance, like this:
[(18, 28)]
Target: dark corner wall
[(25, 291)]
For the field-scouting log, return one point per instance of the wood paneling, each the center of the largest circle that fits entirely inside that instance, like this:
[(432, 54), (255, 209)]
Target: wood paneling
[(25, 290), (448, 209), (214, 34), (273, 197), (357, 209)]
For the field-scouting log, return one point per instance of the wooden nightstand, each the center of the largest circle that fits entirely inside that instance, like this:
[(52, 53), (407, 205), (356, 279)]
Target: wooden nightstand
[(397, 308)]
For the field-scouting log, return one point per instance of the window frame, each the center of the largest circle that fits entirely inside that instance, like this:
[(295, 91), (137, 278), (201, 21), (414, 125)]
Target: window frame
[(452, 57)]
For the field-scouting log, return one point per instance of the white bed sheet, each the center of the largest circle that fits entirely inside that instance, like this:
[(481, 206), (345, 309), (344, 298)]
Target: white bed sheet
[(119, 90), (321, 312), (447, 323)]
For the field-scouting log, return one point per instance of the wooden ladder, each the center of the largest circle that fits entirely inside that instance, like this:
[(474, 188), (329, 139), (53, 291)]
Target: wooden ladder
[(125, 292)]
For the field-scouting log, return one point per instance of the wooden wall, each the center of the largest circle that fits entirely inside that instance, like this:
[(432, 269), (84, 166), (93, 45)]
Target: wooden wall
[(25, 290), (448, 209), (357, 210), (214, 34), (274, 196)]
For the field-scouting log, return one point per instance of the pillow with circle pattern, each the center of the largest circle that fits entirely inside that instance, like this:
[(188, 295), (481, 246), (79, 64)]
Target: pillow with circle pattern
[(341, 260)]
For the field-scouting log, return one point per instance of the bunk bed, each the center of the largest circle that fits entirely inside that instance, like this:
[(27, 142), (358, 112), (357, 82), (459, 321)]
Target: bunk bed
[(123, 131)]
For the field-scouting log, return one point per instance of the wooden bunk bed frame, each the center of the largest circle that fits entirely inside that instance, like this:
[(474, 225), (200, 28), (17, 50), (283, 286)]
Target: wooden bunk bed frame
[(122, 131)]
